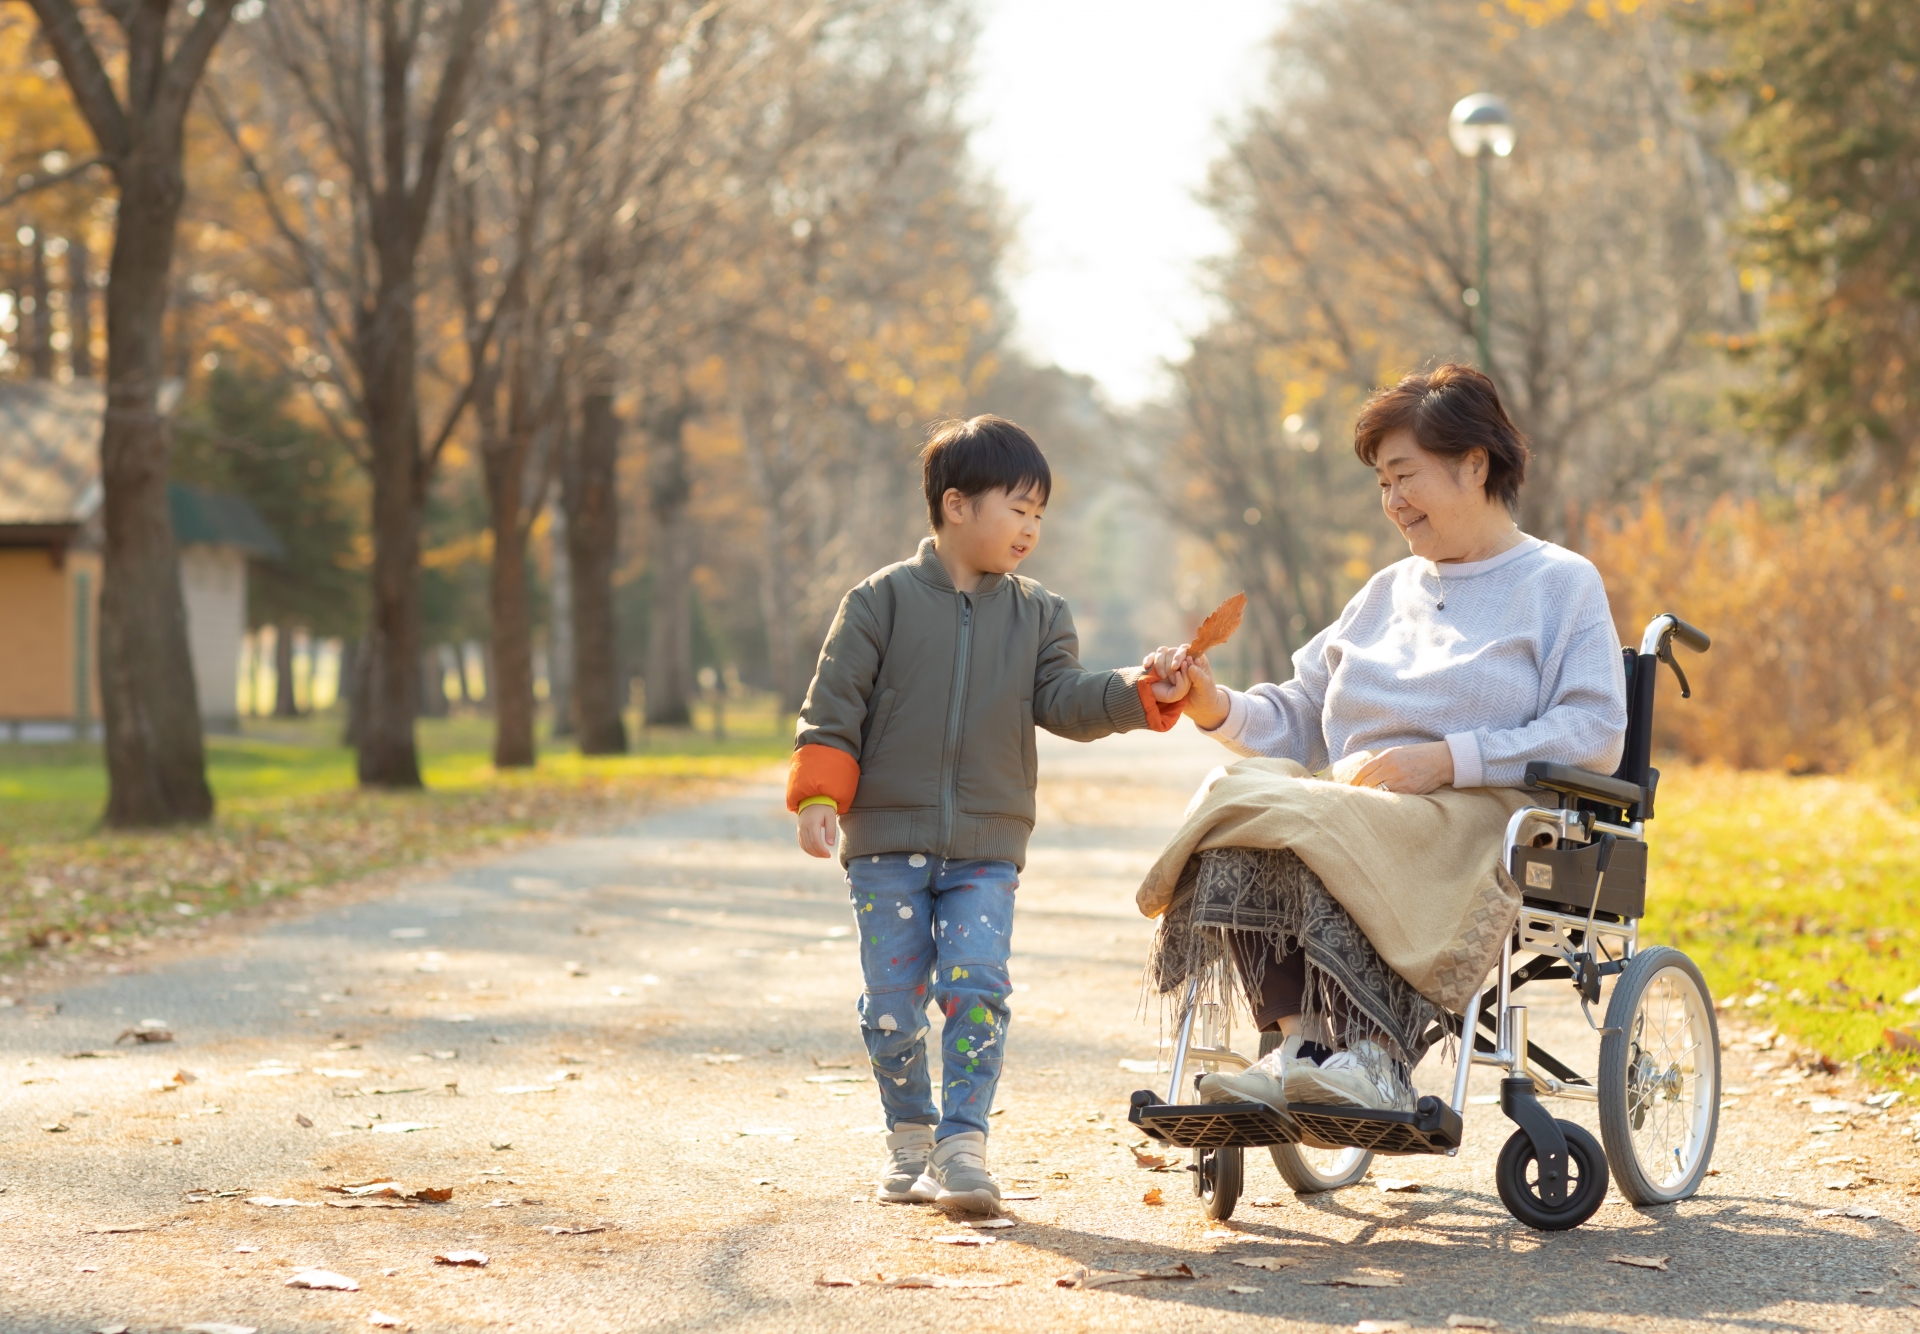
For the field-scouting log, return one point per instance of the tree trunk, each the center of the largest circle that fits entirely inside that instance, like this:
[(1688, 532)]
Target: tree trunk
[(670, 684), (284, 704), (80, 305), (40, 341), (388, 756), (156, 759), (510, 675), (433, 683), (588, 492), (560, 629)]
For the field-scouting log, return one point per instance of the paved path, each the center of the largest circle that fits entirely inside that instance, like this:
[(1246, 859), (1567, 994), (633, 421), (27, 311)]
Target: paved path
[(654, 1031)]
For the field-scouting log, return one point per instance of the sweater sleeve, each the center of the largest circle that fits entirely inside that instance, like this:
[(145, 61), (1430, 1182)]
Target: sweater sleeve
[(1070, 701), (826, 756), (1283, 721), (1583, 705)]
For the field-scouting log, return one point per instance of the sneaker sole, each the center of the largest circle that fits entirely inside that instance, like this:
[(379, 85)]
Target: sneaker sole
[(970, 1201)]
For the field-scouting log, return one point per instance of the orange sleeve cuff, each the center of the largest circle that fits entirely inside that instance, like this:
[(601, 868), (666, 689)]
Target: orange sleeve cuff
[(823, 771), (1160, 717)]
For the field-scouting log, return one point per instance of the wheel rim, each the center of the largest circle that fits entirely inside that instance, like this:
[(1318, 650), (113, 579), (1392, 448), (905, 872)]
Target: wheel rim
[(1669, 1079), (1331, 1165), (1576, 1180)]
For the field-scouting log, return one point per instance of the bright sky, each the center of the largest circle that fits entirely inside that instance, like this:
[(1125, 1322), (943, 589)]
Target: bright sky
[(1099, 119)]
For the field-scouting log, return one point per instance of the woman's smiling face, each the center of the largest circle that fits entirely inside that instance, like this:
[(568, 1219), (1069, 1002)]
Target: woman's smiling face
[(1439, 504)]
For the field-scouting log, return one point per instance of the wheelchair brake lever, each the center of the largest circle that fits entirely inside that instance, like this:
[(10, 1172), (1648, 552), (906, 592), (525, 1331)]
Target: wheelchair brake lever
[(1666, 656)]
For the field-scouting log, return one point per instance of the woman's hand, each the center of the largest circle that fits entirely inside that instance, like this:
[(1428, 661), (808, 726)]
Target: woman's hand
[(819, 830), (1206, 701), (1415, 770)]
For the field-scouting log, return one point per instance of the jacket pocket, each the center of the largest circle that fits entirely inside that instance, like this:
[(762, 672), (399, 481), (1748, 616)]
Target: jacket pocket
[(1029, 748), (877, 726)]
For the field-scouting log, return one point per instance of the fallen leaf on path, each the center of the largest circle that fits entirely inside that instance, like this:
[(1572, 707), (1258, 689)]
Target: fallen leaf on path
[(381, 1320), (965, 1239), (1153, 1197), (554, 1230), (1100, 1278), (323, 1280), (112, 1229), (1472, 1322), (1871, 1292), (56, 1127), (246, 1250), (381, 1092), (471, 1259), (1269, 1262), (273, 1202), (1028, 1195), (1640, 1261), (1841, 1183), (146, 1033), (989, 1223), (835, 1281), (1851, 1211), (1354, 1281), (302, 1120), (1884, 1100), (943, 1281), (1149, 1159), (1242, 1289), (1398, 1186), (1265, 1202), (97, 1055), (400, 1127), (1826, 1127), (500, 1144), (371, 1204), (1381, 1327)]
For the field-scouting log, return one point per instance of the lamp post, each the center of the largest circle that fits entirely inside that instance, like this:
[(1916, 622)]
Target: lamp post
[(1481, 128)]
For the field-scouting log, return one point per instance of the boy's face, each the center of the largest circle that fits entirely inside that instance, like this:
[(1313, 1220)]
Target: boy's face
[(994, 530)]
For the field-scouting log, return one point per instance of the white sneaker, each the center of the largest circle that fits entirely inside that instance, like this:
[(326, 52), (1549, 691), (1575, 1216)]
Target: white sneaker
[(958, 1166), (1265, 1081), (904, 1179), (1362, 1076)]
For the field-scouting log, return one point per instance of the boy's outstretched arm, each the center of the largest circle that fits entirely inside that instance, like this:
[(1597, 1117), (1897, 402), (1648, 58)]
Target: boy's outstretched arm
[(825, 773), (1070, 701)]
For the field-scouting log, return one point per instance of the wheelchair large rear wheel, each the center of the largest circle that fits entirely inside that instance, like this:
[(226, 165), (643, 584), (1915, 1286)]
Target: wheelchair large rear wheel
[(1311, 1171), (1660, 1078)]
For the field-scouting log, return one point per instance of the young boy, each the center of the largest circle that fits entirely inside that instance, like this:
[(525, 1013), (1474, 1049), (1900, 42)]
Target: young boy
[(917, 733)]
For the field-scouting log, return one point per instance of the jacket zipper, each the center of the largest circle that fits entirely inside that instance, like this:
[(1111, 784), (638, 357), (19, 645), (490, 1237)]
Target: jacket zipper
[(950, 798)]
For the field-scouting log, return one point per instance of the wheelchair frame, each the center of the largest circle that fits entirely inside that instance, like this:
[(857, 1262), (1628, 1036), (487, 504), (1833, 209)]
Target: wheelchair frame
[(1552, 1173)]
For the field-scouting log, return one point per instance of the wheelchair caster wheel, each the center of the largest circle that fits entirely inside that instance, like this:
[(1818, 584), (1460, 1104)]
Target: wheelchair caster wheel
[(1518, 1177), (1217, 1174)]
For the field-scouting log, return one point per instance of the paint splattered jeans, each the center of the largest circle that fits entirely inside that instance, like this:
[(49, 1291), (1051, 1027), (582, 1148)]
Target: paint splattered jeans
[(939, 928)]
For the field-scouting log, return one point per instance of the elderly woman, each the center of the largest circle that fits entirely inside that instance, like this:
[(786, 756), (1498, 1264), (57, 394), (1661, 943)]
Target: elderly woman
[(1360, 908)]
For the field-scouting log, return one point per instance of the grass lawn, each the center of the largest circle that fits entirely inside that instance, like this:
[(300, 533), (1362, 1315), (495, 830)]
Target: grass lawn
[(1800, 900), (289, 816)]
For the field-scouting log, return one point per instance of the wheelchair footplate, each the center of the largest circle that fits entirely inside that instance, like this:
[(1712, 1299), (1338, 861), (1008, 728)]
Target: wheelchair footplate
[(1432, 1127)]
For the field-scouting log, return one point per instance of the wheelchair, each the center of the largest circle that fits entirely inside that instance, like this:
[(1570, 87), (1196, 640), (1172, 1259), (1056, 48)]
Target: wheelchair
[(1581, 866)]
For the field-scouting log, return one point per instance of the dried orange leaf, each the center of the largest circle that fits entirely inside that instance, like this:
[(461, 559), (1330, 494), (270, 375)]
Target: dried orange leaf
[(1153, 1197), (471, 1259), (1640, 1261), (1270, 1262), (323, 1279), (1218, 628)]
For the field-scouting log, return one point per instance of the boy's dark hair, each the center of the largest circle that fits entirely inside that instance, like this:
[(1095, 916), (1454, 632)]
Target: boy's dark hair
[(1450, 411), (981, 454)]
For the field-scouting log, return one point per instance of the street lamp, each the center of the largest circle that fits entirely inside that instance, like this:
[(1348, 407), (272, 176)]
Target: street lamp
[(1481, 128)]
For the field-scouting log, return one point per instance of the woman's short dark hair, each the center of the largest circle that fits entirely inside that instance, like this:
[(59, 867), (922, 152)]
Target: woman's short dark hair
[(981, 454), (1450, 411)]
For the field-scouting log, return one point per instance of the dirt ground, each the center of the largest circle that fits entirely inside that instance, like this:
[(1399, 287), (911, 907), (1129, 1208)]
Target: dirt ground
[(650, 1038)]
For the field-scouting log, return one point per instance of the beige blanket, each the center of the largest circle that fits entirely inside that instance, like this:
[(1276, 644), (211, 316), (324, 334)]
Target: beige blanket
[(1419, 875)]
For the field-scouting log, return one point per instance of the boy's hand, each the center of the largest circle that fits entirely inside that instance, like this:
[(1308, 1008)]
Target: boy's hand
[(819, 830), (1207, 703), (1168, 683)]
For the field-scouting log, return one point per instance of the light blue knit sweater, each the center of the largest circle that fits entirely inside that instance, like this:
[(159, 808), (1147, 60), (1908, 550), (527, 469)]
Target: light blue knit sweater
[(1508, 660)]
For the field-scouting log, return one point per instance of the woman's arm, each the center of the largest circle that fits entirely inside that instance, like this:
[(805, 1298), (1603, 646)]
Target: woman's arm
[(1583, 721), (1275, 720)]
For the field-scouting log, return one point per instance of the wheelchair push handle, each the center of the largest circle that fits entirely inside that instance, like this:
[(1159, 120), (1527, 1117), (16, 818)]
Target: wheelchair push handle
[(1689, 636), (1665, 628)]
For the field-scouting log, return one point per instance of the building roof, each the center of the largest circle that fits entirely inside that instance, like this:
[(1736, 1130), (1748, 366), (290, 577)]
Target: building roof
[(49, 452), (216, 519), (50, 474)]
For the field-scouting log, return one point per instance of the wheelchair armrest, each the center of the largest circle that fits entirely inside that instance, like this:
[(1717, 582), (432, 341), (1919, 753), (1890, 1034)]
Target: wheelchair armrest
[(1581, 783)]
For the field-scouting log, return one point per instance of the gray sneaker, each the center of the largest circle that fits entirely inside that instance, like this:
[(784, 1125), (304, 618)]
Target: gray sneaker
[(1362, 1076), (1264, 1081), (904, 1179), (958, 1165)]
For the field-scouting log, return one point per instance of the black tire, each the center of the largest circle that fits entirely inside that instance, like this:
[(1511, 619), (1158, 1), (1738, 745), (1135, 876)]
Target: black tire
[(1586, 1187), (1310, 1171), (1659, 1078), (1217, 1177)]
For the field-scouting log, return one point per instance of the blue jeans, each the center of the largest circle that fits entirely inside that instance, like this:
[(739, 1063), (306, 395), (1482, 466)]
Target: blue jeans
[(940, 927)]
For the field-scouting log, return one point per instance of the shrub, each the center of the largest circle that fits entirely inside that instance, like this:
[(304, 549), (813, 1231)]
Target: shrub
[(1815, 618)]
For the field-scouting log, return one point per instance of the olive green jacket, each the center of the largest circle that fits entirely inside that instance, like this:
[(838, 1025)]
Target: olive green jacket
[(920, 720)]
